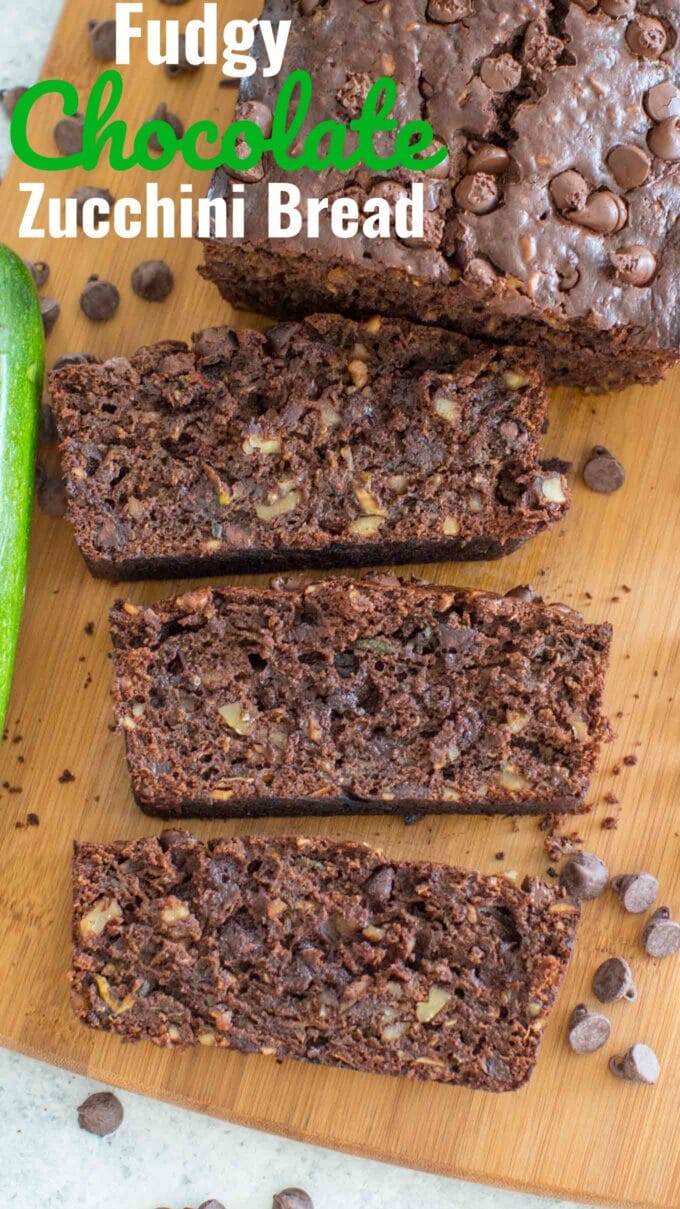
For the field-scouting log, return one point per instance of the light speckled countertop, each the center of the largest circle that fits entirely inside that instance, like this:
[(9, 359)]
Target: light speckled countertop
[(163, 1155)]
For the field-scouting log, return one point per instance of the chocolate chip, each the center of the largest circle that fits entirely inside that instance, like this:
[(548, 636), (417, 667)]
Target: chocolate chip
[(646, 37), (501, 74), (663, 102), (182, 63), (637, 891), (84, 193), (588, 1031), (661, 936), (480, 272), (477, 193), (292, 1198), (634, 264), (584, 876), (50, 312), (162, 114), (603, 472), (10, 96), (629, 165), (101, 1113), (378, 888), (617, 8), (99, 300), (39, 270), (257, 112), (445, 12), (51, 494), (603, 213), (664, 139), (75, 359), (638, 1065), (569, 190), (487, 157), (66, 777), (152, 280), (613, 980), (524, 592), (102, 39), (47, 428), (68, 134)]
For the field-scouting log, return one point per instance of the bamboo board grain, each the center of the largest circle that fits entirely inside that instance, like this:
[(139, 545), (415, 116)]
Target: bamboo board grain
[(574, 1131)]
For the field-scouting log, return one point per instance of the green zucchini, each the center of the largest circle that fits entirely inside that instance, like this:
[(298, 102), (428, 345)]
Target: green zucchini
[(22, 357)]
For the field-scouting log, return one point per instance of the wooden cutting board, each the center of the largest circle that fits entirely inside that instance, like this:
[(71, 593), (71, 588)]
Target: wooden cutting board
[(575, 1131)]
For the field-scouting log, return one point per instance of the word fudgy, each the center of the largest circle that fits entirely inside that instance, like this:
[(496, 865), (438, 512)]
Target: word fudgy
[(534, 234), (357, 696), (320, 443), (322, 951)]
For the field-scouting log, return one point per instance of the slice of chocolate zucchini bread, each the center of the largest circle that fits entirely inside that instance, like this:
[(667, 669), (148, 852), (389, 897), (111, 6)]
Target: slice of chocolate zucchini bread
[(321, 443), (356, 696), (321, 951)]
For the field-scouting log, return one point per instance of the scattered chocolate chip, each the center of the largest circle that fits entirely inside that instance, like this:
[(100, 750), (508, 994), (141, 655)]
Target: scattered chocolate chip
[(629, 165), (89, 628), (162, 114), (637, 891), (32, 819), (617, 8), (102, 39), (68, 134), (39, 270), (584, 876), (629, 761), (646, 37), (47, 427), (569, 190), (603, 472), (182, 63), (500, 856), (84, 193), (487, 157), (613, 980), (152, 280), (292, 1198), (501, 74), (99, 300), (638, 1065), (664, 139), (10, 96), (75, 359), (480, 272), (588, 1031), (634, 264), (66, 777), (524, 592), (445, 12), (604, 213), (663, 102), (477, 193), (661, 935), (610, 823), (50, 312), (101, 1113)]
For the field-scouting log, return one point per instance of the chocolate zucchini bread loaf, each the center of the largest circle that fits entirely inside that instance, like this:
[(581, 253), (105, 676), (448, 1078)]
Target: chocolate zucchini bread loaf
[(553, 220), (321, 951), (324, 442), (354, 696)]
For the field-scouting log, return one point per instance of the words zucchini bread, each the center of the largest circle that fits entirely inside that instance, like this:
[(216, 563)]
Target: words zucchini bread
[(319, 443), (323, 951), (551, 222), (355, 696)]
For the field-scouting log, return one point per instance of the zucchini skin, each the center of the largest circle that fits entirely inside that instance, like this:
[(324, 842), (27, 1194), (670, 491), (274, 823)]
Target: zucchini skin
[(22, 359)]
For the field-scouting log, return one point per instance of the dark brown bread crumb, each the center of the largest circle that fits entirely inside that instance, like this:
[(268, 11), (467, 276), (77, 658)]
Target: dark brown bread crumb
[(318, 444), (354, 696), (322, 951), (66, 777)]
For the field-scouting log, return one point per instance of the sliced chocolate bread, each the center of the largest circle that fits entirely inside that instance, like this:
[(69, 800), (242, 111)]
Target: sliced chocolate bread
[(321, 443), (327, 952), (357, 696)]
